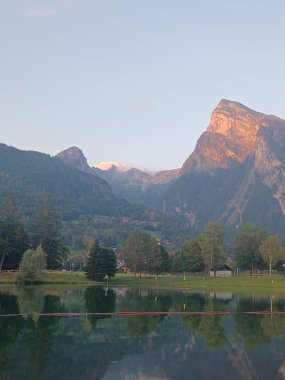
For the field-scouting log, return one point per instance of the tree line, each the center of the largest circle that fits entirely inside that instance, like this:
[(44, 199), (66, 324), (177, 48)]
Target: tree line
[(44, 232), (253, 249)]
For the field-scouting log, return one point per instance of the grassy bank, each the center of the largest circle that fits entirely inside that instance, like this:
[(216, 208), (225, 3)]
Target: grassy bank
[(54, 277), (244, 285)]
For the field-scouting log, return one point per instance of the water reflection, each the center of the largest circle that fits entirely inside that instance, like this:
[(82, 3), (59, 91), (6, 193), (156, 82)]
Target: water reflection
[(9, 328), (30, 301), (140, 301), (163, 346), (99, 300), (207, 326), (30, 334)]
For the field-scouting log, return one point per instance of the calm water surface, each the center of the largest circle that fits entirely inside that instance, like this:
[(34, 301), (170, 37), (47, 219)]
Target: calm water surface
[(225, 346)]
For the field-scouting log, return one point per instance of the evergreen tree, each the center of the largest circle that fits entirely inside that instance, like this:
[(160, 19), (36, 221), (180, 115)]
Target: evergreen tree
[(101, 262), (45, 232), (13, 237), (164, 263)]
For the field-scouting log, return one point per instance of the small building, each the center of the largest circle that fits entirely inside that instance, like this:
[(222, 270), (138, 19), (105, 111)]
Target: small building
[(223, 271)]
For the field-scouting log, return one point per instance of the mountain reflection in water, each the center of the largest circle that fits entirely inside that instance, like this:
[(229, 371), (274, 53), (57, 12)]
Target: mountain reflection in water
[(160, 346)]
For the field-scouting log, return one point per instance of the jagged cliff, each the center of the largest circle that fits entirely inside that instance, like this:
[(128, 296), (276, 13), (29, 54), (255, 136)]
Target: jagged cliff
[(235, 174), (230, 137)]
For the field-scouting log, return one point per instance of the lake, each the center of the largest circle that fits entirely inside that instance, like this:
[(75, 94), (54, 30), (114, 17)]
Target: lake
[(46, 333)]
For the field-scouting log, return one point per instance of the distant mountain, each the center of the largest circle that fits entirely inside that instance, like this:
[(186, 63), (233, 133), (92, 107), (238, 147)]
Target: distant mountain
[(74, 157), (134, 185), (85, 202), (109, 164), (235, 174), (28, 174), (137, 186), (140, 189)]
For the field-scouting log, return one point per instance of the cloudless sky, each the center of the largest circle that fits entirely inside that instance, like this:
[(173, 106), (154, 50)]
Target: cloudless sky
[(134, 81)]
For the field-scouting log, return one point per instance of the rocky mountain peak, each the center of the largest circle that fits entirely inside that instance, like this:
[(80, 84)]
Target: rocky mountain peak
[(230, 137), (74, 156), (111, 165), (234, 119)]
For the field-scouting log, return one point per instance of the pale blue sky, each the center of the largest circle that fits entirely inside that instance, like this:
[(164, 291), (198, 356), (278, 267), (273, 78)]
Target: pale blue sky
[(134, 81)]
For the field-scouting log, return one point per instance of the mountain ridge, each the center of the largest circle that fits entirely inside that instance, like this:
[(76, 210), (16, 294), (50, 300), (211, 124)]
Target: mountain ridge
[(235, 170)]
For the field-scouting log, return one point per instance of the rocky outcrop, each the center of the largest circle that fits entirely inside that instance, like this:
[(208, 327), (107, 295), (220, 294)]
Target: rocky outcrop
[(74, 157), (235, 175), (230, 137)]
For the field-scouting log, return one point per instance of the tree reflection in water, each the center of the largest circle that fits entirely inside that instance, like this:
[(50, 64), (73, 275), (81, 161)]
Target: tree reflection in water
[(99, 300), (140, 301), (34, 345)]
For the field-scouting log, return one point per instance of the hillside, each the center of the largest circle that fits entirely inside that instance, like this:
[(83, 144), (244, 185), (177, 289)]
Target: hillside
[(84, 202)]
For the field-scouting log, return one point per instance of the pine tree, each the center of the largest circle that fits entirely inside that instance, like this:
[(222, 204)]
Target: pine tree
[(13, 237), (45, 232), (101, 262)]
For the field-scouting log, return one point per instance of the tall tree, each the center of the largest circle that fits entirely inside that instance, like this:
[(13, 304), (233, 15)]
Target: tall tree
[(163, 264), (101, 262), (246, 247), (45, 232), (141, 252), (189, 258), (271, 250), (211, 243), (13, 237)]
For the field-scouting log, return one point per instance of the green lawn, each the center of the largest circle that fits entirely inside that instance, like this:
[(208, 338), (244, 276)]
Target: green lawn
[(245, 285), (54, 277), (240, 284)]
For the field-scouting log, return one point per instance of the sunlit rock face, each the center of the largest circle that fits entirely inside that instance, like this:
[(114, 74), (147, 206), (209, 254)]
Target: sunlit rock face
[(236, 173), (230, 137)]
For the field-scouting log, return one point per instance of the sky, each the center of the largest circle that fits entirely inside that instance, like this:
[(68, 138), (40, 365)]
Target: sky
[(134, 81)]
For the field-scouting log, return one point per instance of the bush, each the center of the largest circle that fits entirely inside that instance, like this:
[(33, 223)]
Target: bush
[(32, 266)]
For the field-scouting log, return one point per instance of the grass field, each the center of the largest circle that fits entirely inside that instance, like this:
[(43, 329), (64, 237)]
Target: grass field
[(239, 284)]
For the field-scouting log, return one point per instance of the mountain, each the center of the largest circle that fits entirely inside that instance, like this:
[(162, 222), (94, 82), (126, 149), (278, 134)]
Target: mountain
[(230, 137), (74, 157), (85, 202), (134, 185), (141, 190), (235, 174), (137, 186), (109, 164)]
